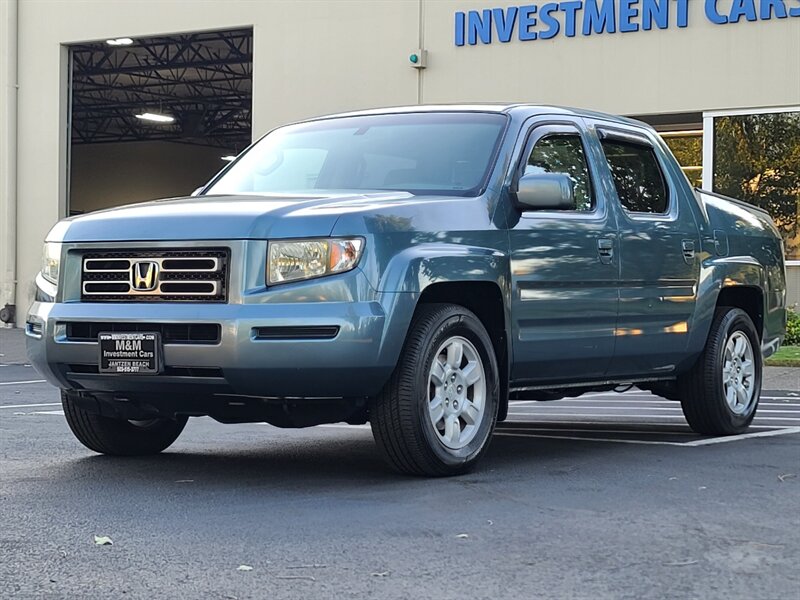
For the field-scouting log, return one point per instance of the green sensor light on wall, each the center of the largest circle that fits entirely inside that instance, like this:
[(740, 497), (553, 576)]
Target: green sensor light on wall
[(418, 58)]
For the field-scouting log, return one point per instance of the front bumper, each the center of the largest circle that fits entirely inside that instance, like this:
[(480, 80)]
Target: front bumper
[(356, 363)]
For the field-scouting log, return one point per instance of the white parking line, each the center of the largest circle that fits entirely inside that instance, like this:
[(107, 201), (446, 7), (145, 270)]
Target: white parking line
[(23, 382), (677, 411), (601, 424), (651, 416), (501, 427), (597, 402), (691, 444), (31, 405), (744, 436), (590, 439)]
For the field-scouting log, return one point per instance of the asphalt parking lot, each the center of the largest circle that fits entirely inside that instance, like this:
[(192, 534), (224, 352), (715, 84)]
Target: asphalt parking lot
[(602, 496)]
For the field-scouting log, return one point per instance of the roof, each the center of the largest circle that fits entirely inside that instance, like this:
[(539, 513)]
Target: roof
[(498, 107)]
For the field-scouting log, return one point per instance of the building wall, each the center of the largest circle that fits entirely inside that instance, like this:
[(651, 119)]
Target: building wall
[(321, 56), (700, 67), (105, 175)]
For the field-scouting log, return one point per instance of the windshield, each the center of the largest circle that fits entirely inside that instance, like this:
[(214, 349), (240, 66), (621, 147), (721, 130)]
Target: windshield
[(420, 153)]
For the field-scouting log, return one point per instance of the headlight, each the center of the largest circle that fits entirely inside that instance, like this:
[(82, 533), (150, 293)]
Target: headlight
[(305, 259), (51, 261)]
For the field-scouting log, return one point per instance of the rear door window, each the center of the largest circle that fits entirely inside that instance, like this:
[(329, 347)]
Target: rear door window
[(640, 184)]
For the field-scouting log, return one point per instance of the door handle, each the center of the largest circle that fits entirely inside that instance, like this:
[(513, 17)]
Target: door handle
[(688, 250), (605, 249)]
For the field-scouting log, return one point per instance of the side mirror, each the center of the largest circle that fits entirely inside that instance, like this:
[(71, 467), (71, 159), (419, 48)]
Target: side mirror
[(546, 191)]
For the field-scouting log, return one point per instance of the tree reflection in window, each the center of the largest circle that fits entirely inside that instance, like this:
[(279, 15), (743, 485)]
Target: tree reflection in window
[(637, 176), (757, 159), (563, 153), (688, 151)]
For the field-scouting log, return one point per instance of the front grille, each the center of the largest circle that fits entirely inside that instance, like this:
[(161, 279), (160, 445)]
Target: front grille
[(171, 333), (155, 276)]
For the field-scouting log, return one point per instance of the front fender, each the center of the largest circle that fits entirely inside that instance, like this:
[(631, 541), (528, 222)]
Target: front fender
[(414, 269), (417, 267)]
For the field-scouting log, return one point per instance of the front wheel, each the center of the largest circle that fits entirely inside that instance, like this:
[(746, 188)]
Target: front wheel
[(719, 395), (120, 437), (437, 413)]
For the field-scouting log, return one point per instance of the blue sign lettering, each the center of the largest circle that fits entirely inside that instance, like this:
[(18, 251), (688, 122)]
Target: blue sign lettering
[(546, 20), (504, 22), (546, 17), (527, 19), (479, 25), (767, 6), (628, 11), (743, 8), (713, 15), (683, 13), (598, 18), (571, 16)]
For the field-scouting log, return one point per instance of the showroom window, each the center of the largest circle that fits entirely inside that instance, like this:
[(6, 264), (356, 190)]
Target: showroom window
[(756, 158), (687, 146)]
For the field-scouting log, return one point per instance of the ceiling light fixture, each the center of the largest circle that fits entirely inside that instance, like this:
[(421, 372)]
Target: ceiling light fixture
[(120, 42), (155, 117), (228, 157)]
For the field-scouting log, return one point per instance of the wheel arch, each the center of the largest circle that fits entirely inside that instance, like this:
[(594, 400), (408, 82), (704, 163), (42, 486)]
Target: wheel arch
[(486, 300), (739, 282), (475, 277), (749, 298)]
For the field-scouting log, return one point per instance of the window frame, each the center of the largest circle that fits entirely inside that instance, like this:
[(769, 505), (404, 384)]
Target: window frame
[(538, 131)]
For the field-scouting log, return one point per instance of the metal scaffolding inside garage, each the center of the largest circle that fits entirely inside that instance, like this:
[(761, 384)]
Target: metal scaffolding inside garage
[(201, 80)]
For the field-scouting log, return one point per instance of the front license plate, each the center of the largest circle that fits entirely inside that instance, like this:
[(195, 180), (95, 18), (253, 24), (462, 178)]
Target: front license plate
[(130, 353)]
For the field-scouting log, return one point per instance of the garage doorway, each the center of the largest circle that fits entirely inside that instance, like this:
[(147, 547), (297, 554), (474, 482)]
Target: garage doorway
[(156, 117)]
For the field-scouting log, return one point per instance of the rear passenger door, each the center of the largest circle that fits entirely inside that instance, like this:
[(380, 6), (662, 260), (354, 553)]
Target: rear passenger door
[(563, 267), (658, 246)]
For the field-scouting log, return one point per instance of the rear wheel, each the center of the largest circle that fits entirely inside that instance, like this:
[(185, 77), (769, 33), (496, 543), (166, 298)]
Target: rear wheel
[(120, 437), (720, 394), (437, 413)]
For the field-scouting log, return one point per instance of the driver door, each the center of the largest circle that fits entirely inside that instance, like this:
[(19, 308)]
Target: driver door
[(564, 268)]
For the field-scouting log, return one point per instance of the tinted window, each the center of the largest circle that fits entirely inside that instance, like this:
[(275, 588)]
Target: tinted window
[(563, 153), (421, 153), (637, 176)]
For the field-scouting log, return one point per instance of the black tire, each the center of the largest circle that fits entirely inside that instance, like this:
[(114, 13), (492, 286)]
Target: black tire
[(399, 416), (119, 437), (701, 389)]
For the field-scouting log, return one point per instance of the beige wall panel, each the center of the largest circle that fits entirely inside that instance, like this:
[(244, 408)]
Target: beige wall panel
[(793, 286), (701, 67)]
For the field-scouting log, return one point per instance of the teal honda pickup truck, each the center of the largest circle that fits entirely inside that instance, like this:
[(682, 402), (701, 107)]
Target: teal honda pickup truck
[(417, 269)]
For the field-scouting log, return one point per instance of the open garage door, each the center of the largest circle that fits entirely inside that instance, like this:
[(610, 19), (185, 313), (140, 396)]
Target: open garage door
[(156, 117)]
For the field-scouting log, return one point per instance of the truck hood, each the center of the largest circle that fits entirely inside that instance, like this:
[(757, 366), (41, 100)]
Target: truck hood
[(220, 218)]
